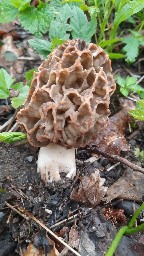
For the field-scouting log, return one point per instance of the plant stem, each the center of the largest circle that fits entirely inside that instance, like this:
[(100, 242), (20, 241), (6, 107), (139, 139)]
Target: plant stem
[(131, 231), (116, 241), (136, 214)]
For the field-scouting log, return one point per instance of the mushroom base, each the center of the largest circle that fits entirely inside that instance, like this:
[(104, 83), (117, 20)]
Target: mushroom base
[(54, 159)]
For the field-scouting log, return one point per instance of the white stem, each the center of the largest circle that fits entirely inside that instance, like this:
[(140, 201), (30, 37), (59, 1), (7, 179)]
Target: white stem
[(54, 159)]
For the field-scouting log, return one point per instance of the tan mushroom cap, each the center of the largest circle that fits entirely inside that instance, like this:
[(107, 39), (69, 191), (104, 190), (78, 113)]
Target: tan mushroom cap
[(69, 96)]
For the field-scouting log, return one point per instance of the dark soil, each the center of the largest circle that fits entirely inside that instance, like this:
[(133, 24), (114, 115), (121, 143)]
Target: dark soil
[(24, 188)]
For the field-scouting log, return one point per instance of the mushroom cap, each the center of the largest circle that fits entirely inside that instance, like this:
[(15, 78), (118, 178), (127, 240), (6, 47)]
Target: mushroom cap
[(69, 98)]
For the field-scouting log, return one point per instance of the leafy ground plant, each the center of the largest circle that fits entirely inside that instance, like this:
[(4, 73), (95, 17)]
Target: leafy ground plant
[(7, 84), (96, 21), (11, 137), (138, 113), (129, 85), (139, 154)]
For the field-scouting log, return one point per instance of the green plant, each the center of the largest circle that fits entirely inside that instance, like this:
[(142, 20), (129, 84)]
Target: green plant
[(126, 230), (139, 154), (133, 43), (94, 20), (138, 112), (11, 137), (7, 84), (129, 85)]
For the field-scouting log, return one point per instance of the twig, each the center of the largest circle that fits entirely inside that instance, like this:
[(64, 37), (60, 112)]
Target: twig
[(64, 221), (30, 216), (121, 160), (132, 74), (3, 127), (15, 210), (140, 79), (112, 167), (14, 128), (28, 58), (12, 120)]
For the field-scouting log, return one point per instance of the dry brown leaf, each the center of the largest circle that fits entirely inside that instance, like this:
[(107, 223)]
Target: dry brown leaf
[(74, 240), (129, 186), (90, 189), (9, 46), (33, 251), (112, 138), (6, 28)]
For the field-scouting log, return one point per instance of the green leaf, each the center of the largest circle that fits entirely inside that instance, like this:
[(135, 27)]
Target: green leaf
[(130, 8), (59, 30), (17, 86), (116, 55), (72, 1), (36, 20), (138, 113), (5, 83), (56, 42), (59, 27), (131, 48), (29, 75), (9, 137), (120, 81), (81, 28), (7, 11), (109, 42), (124, 91), (43, 47), (130, 80), (20, 99), (20, 4)]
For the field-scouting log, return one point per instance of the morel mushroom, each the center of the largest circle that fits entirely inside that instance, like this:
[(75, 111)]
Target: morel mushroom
[(67, 104)]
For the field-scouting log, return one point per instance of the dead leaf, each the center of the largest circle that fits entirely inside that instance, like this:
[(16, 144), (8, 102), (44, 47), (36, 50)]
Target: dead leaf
[(90, 190), (6, 28), (33, 251), (9, 46), (87, 246), (74, 240), (129, 186), (111, 139)]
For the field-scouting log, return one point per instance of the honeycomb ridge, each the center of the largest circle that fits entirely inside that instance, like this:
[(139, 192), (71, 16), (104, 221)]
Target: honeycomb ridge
[(69, 98)]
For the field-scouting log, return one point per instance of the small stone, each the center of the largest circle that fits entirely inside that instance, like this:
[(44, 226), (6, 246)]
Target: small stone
[(132, 142), (29, 158), (1, 216)]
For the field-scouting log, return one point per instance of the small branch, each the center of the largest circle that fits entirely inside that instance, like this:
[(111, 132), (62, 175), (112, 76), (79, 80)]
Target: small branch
[(15, 210), (14, 127), (30, 216), (12, 120), (120, 159), (3, 127)]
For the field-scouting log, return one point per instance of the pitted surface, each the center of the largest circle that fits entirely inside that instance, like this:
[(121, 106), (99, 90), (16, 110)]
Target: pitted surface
[(69, 97)]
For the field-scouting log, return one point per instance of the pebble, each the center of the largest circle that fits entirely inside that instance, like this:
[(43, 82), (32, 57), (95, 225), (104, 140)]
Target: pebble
[(2, 216), (128, 206), (29, 158), (132, 142)]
